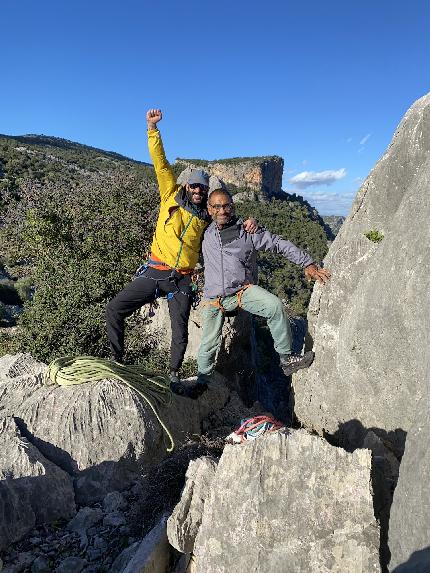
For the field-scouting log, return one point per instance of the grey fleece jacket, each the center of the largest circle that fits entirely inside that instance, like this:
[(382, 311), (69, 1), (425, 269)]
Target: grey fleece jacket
[(230, 266)]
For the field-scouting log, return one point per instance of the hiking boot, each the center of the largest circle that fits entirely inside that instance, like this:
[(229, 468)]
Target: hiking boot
[(192, 389), (173, 377), (292, 362), (203, 378)]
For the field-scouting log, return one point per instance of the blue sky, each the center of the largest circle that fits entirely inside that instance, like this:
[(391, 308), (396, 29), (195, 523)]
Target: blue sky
[(322, 84)]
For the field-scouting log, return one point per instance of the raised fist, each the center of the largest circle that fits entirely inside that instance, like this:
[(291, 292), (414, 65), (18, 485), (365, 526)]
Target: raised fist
[(154, 116)]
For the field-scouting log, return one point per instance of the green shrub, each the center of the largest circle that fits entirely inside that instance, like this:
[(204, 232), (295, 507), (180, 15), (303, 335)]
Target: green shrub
[(24, 287), (7, 341), (83, 247), (374, 236)]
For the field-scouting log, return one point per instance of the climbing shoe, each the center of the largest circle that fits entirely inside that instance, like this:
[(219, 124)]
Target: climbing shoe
[(292, 362), (189, 388), (203, 378), (173, 377)]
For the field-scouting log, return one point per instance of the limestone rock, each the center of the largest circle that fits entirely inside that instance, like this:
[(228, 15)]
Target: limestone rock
[(410, 512), (236, 335), (184, 523), (153, 553), (123, 558), (32, 489), (41, 565), (20, 564), (101, 433), (370, 325), (114, 501), (71, 565), (419, 562), (290, 504), (260, 174), (19, 366), (26, 373), (83, 520)]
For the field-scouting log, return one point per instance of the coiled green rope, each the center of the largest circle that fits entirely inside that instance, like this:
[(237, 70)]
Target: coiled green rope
[(152, 388)]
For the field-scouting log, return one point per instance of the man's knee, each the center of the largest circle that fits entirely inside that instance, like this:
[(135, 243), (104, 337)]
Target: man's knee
[(110, 309), (275, 306), (180, 335)]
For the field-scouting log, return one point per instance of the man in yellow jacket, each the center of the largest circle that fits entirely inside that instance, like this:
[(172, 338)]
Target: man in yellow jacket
[(175, 252)]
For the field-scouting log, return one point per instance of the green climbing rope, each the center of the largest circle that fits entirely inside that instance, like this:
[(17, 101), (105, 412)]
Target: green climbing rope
[(152, 388)]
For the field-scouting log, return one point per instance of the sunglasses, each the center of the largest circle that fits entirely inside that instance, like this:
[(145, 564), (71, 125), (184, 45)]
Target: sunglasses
[(199, 186)]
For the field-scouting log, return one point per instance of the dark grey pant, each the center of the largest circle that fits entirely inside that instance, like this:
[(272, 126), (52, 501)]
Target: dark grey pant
[(143, 290)]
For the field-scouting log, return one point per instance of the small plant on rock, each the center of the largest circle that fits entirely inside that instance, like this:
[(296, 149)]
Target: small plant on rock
[(374, 236)]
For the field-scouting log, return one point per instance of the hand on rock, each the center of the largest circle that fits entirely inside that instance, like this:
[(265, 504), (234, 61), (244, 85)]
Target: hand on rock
[(316, 273)]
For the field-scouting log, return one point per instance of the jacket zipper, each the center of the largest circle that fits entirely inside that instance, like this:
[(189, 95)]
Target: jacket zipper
[(182, 242)]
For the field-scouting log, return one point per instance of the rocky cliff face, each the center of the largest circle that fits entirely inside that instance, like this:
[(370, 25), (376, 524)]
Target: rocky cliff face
[(285, 503), (370, 329), (371, 324), (258, 176)]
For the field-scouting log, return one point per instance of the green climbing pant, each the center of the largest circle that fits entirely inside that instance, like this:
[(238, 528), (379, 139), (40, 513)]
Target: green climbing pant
[(255, 300)]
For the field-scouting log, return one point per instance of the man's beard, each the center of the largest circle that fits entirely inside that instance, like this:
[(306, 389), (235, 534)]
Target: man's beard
[(202, 196)]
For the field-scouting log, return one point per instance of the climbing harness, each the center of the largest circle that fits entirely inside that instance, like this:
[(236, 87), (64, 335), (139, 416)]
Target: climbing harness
[(195, 293), (217, 302), (252, 428), (152, 388)]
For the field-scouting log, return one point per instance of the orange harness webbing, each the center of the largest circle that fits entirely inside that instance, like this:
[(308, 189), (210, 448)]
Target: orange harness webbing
[(156, 263), (217, 303)]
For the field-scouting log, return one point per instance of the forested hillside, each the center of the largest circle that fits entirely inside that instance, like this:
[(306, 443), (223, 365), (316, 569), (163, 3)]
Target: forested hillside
[(44, 159)]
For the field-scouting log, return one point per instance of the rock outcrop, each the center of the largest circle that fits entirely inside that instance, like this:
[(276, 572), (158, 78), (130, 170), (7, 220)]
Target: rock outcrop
[(33, 490), (259, 176), (287, 503), (410, 513), (184, 523), (370, 326), (419, 562), (101, 433)]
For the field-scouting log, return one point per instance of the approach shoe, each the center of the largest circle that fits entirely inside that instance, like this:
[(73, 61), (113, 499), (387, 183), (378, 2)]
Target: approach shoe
[(173, 378), (290, 363), (192, 389)]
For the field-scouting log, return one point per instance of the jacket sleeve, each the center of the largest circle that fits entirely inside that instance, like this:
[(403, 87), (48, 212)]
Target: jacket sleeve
[(165, 177), (264, 240)]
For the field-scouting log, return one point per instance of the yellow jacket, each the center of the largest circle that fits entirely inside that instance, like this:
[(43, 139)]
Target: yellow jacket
[(180, 226)]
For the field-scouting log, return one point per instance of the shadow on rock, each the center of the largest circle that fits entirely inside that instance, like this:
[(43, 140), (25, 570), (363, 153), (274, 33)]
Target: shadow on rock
[(269, 386), (418, 562), (387, 450)]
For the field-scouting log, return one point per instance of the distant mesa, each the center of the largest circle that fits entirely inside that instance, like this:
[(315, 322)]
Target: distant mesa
[(249, 178)]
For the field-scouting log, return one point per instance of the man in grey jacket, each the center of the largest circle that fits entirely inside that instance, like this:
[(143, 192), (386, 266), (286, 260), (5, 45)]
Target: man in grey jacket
[(230, 255)]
